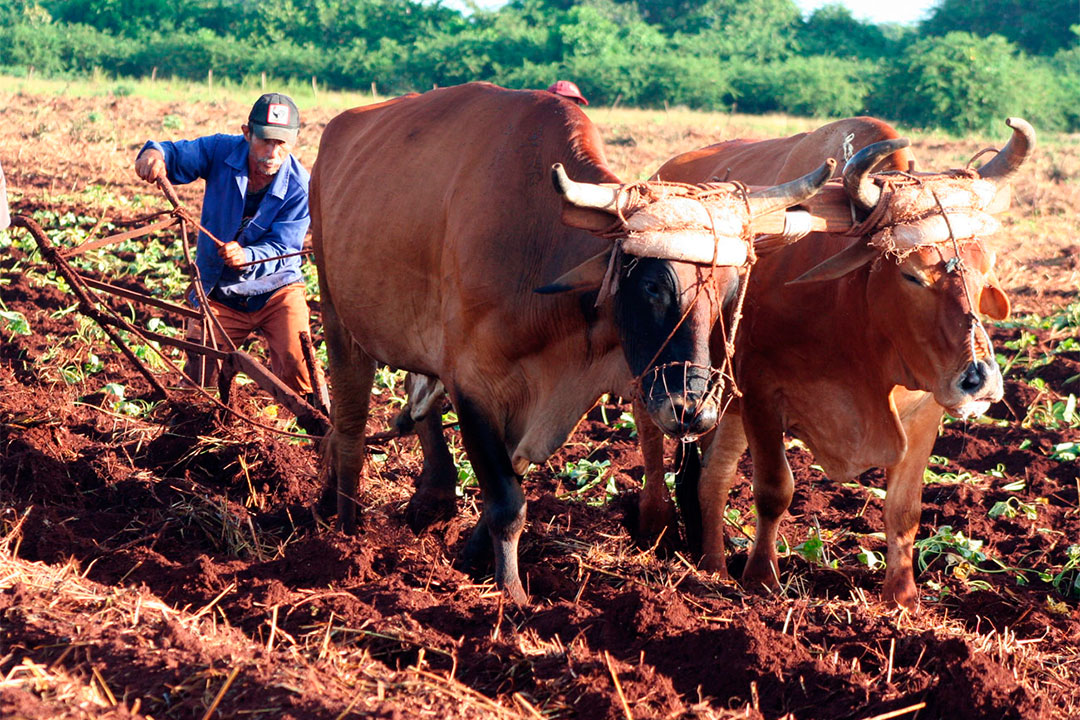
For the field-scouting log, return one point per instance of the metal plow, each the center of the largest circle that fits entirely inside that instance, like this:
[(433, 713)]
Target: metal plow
[(314, 420)]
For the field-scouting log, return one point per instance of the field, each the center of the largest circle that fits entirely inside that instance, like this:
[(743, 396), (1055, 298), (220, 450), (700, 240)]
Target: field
[(159, 561)]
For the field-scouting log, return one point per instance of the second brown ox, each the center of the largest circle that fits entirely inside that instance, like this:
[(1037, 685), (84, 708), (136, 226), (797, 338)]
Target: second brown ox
[(854, 344)]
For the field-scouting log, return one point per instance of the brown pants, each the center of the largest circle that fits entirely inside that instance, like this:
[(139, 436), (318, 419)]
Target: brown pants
[(281, 321)]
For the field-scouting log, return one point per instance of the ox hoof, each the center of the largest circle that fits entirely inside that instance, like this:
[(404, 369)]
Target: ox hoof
[(900, 594), (424, 511), (516, 593), (761, 577), (478, 554), (715, 564), (650, 529)]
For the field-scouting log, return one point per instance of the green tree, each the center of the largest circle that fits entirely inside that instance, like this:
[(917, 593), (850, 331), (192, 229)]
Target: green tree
[(833, 30), (817, 86), (1040, 28), (960, 82)]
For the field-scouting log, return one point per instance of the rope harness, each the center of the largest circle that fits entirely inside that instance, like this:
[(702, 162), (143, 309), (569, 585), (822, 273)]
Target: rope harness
[(716, 379), (869, 229)]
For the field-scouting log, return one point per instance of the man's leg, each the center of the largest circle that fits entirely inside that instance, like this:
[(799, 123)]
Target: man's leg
[(237, 325), (282, 319)]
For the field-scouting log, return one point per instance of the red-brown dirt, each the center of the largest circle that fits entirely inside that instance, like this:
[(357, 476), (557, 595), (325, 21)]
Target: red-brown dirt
[(174, 565)]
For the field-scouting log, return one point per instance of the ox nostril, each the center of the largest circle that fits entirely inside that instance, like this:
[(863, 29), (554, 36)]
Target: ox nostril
[(704, 419), (974, 377)]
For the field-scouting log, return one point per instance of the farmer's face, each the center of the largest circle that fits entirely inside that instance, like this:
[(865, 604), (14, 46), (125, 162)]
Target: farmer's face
[(265, 156)]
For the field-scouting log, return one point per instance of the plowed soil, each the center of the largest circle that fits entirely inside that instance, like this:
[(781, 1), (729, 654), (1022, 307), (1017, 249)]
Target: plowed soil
[(171, 562)]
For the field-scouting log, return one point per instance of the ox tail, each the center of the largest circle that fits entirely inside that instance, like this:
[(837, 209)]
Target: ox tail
[(687, 478)]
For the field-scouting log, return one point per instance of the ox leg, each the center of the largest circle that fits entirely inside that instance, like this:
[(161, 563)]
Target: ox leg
[(503, 517), (656, 511), (352, 372), (435, 498), (717, 473), (903, 503), (774, 486)]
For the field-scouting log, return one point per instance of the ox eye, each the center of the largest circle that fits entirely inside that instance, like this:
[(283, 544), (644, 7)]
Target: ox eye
[(651, 288), (912, 277)]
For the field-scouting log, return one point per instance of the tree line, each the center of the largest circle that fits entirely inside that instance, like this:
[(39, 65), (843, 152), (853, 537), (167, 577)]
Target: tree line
[(967, 65)]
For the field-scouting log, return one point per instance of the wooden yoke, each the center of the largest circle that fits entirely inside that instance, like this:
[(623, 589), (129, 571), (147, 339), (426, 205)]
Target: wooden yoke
[(828, 211)]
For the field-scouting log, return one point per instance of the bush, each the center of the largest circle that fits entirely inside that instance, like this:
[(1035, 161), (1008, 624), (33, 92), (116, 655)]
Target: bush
[(959, 82), (818, 86), (61, 48)]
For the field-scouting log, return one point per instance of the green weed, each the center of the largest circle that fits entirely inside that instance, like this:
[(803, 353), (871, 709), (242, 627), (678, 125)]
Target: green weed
[(1012, 507), (13, 322), (587, 474)]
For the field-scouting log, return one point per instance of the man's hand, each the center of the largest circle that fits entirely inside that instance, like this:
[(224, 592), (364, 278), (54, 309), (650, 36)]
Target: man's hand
[(233, 254), (150, 165)]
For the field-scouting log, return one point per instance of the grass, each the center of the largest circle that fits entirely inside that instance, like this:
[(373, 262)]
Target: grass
[(169, 90)]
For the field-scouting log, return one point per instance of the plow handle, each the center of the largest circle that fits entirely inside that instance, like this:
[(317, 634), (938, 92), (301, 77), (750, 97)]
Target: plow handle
[(170, 192)]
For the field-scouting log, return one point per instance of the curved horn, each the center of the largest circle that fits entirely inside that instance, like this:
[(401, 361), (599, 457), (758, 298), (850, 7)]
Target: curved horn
[(586, 195), (1008, 161), (862, 191), (790, 193)]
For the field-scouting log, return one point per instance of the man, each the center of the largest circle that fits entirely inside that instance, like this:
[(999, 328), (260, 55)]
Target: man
[(569, 90), (256, 206)]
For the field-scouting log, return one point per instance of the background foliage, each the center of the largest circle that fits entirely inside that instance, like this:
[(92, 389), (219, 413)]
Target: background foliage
[(966, 66)]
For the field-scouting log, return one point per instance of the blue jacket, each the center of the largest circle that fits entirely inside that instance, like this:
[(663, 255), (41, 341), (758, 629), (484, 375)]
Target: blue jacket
[(278, 227)]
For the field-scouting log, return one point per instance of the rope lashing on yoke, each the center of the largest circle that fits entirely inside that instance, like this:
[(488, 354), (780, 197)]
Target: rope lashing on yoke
[(643, 194)]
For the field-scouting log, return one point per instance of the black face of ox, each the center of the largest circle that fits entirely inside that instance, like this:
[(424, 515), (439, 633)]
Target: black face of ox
[(665, 312)]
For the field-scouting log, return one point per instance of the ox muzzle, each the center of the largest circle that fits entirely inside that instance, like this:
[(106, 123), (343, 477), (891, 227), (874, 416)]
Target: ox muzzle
[(973, 390), (683, 398)]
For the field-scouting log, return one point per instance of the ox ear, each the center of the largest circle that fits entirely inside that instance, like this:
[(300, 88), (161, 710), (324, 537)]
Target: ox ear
[(589, 275), (839, 264), (993, 302)]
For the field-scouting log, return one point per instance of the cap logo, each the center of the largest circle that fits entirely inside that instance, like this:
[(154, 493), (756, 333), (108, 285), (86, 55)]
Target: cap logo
[(277, 114)]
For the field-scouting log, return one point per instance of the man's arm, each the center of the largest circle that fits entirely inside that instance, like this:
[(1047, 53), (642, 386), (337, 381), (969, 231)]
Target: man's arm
[(182, 161)]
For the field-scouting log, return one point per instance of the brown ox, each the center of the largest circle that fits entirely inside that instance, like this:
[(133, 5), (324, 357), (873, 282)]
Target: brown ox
[(434, 220), (854, 345)]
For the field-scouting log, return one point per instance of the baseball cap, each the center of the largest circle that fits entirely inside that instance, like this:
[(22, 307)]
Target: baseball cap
[(567, 89), (275, 117)]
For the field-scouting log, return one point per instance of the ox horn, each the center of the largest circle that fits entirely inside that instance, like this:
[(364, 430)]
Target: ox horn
[(1008, 161), (860, 188), (781, 197), (589, 196)]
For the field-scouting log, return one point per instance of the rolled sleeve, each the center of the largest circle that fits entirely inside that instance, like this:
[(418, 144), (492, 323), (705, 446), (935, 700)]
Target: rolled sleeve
[(186, 160)]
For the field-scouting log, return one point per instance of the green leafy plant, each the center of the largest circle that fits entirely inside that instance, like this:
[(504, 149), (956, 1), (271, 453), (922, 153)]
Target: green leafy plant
[(15, 323), (1012, 507), (585, 473), (626, 421), (1065, 451), (588, 474), (948, 478), (815, 549), (870, 558), (1067, 582), (963, 557)]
